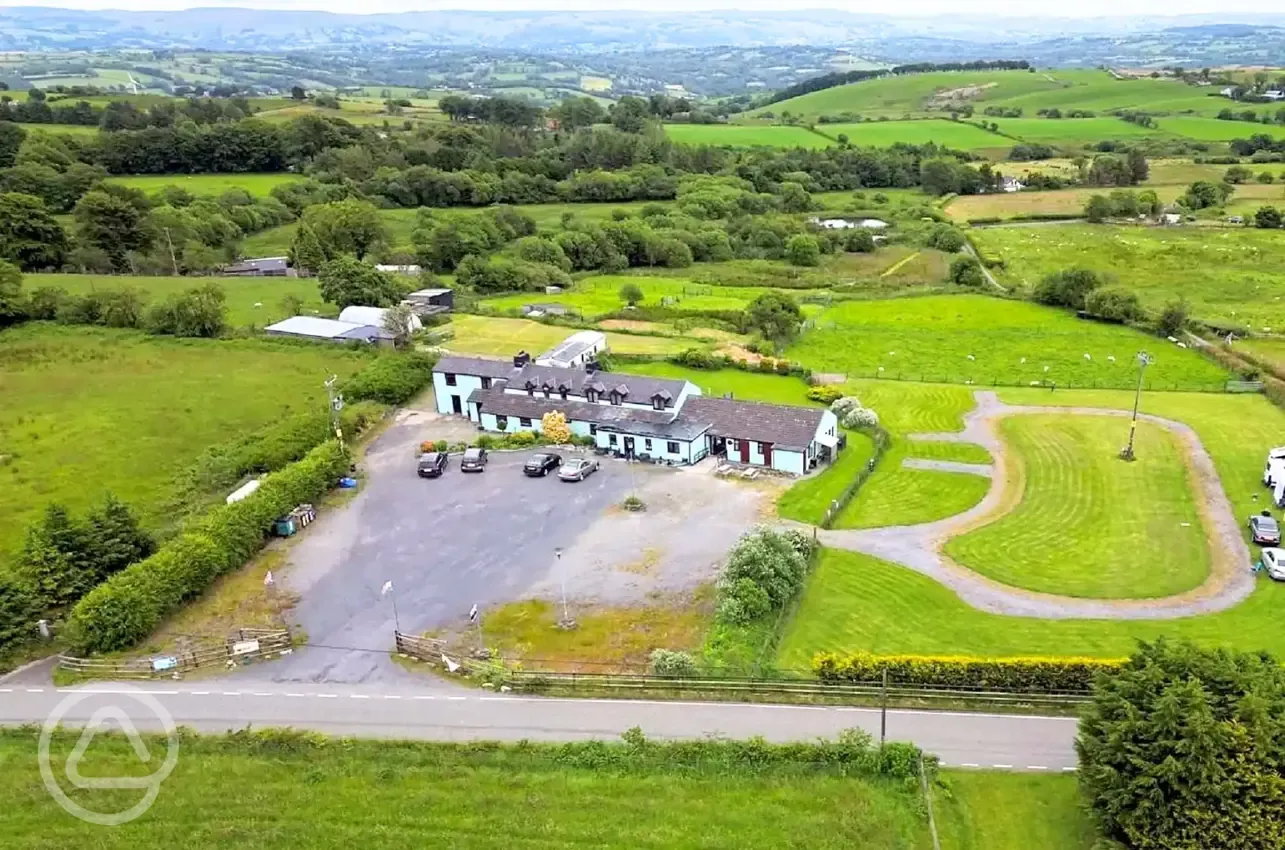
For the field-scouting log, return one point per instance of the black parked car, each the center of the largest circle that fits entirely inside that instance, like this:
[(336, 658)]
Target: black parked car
[(542, 464), (432, 464), (474, 460)]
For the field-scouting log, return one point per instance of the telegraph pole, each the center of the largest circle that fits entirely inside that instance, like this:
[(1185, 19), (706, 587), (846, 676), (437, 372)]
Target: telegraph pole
[(1144, 360), (336, 406)]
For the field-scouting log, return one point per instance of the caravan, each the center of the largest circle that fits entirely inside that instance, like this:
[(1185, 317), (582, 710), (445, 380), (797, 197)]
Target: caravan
[(1274, 475)]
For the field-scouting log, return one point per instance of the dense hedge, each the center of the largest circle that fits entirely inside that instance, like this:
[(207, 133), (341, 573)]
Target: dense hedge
[(998, 674), (129, 606), (391, 378)]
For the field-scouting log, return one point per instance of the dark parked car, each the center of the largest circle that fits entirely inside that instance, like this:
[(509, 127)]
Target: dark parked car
[(474, 460), (542, 464), (578, 469), (432, 464), (1265, 530)]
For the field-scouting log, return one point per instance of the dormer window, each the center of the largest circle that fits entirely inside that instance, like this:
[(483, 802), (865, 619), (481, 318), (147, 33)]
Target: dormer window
[(591, 395), (563, 392), (546, 392), (615, 397)]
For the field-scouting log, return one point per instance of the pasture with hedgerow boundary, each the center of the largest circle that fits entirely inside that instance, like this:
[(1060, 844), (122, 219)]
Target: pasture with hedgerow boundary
[(863, 244)]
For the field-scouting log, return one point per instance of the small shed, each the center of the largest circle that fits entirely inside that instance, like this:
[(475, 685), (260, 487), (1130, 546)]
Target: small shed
[(427, 301), (394, 269)]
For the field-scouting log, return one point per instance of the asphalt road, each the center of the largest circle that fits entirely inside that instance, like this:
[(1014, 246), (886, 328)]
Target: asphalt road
[(450, 714), (445, 544)]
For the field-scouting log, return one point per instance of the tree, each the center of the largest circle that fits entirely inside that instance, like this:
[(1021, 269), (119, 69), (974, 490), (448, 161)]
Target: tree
[(347, 227), (629, 114), (1067, 288), (112, 224), (55, 556), (776, 316), (803, 250), (575, 113), (29, 236), (399, 320), (859, 240), (1173, 318), (554, 427), (347, 281), (291, 304), (966, 271), (1139, 170), (13, 306), (1238, 174), (298, 93), (1203, 194), (198, 312), (1098, 209), (631, 293), (1268, 218), (11, 138), (1113, 303), (946, 238), (1181, 744), (306, 252), (19, 610), (115, 539)]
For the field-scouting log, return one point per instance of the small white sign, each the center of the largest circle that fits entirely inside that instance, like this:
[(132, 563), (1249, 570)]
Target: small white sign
[(165, 662), (245, 647)]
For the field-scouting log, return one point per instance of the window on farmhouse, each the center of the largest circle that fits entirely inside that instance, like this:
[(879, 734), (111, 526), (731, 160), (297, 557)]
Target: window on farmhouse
[(502, 422), (524, 422), (673, 447), (450, 379), (486, 383)]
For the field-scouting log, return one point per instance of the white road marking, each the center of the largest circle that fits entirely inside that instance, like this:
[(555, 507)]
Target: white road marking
[(231, 693), (262, 694), (1069, 769), (6, 690), (425, 697), (969, 764), (328, 696), (200, 693), (1036, 767), (35, 690), (296, 695), (1003, 766), (391, 696), (359, 696), (456, 698)]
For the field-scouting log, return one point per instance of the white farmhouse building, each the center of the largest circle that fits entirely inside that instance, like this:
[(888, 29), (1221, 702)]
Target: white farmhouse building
[(633, 415)]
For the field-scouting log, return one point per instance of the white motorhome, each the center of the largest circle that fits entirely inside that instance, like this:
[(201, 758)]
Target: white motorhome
[(1274, 475)]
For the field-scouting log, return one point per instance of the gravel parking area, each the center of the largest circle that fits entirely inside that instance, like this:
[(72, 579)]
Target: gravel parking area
[(488, 539)]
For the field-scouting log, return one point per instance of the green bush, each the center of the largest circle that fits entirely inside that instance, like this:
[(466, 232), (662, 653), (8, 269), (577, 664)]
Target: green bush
[(19, 610), (678, 665), (1114, 304), (129, 606), (827, 394), (764, 571), (392, 378), (996, 674)]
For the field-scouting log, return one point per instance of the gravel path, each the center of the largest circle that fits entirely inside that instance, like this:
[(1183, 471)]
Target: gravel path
[(986, 470), (919, 547)]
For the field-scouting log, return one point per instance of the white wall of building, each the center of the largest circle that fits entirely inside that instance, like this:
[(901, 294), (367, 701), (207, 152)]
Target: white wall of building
[(682, 451), (463, 388)]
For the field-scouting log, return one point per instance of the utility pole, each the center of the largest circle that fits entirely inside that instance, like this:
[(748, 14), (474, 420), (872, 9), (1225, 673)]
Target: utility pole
[(883, 710), (336, 406), (1144, 360)]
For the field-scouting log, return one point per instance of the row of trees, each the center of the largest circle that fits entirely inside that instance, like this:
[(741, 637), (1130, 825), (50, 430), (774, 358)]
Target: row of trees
[(123, 114)]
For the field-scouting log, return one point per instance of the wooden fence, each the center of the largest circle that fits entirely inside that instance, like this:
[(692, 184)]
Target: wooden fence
[(244, 646)]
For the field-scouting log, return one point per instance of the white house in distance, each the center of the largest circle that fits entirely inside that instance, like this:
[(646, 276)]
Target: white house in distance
[(576, 350), (375, 316), (633, 415)]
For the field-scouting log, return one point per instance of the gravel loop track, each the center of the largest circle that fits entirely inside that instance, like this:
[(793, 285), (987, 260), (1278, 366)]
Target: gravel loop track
[(919, 547)]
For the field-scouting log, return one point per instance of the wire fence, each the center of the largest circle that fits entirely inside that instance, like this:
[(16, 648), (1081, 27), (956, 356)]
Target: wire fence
[(837, 506)]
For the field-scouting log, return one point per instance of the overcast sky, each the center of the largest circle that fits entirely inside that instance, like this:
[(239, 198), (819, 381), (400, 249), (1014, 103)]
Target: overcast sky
[(1077, 9)]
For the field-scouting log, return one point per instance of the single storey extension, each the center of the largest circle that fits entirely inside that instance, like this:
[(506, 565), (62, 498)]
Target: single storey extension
[(636, 416)]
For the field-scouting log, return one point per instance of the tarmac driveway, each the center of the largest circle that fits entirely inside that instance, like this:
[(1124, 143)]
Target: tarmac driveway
[(445, 544)]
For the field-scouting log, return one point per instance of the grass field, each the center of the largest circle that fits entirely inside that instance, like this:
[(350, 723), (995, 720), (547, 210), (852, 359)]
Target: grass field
[(882, 134), (1214, 130), (895, 495), (1107, 514), (854, 602), (397, 794), (1068, 202), (1268, 350), (243, 293), (79, 130), (1071, 132), (745, 137), (1006, 811), (931, 338), (259, 185), (90, 410), (808, 499), (909, 94), (505, 337), (598, 295), (1232, 276)]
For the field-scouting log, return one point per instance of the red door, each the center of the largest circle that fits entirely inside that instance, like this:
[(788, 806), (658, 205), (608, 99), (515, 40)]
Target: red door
[(767, 454), (745, 450)]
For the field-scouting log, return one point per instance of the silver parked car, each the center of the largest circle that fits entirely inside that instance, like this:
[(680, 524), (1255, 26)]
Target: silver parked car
[(577, 469)]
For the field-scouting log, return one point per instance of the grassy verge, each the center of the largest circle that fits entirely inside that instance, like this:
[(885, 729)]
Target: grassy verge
[(1065, 475), (291, 791), (895, 495), (1010, 811), (808, 499)]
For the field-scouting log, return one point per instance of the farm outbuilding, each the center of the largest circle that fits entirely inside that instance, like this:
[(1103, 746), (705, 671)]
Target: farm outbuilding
[(375, 316), (329, 330)]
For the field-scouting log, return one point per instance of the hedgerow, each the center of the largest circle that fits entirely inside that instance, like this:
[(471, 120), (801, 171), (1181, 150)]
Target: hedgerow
[(130, 605), (391, 378), (999, 674)]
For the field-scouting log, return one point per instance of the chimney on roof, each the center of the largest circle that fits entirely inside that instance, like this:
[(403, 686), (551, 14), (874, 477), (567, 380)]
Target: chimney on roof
[(521, 359), (591, 366)]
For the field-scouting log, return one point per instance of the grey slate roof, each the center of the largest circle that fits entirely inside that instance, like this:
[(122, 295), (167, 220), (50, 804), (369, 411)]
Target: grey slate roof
[(782, 425), (606, 416), (482, 367)]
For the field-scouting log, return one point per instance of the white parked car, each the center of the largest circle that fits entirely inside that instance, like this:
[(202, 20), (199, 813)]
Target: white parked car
[(1274, 471), (1273, 563)]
